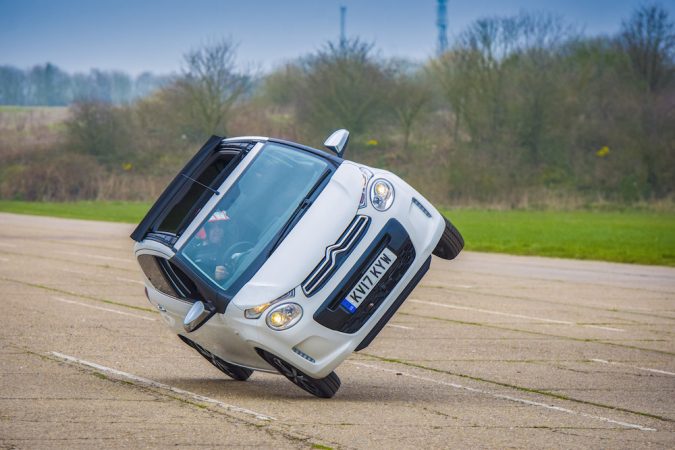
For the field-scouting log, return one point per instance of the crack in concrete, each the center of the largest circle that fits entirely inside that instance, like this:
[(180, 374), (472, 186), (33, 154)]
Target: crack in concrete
[(520, 388), (272, 430), (538, 333), (536, 300), (78, 295), (69, 261)]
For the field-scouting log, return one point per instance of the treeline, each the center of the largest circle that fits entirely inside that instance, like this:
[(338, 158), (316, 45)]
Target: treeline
[(47, 85), (520, 111)]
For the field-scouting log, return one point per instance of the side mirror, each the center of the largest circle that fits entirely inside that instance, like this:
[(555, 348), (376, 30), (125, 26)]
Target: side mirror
[(337, 142), (197, 316)]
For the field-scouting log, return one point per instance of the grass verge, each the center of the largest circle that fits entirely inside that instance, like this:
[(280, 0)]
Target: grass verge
[(644, 237), (129, 212)]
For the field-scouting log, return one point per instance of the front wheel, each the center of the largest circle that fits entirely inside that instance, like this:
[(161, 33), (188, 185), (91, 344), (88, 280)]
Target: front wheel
[(324, 387), (231, 370), (451, 242)]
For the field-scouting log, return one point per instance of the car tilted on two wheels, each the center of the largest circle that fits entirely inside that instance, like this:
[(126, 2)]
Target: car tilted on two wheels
[(268, 255)]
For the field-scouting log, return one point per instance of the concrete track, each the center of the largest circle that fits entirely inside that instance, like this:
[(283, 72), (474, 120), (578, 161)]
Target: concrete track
[(489, 351)]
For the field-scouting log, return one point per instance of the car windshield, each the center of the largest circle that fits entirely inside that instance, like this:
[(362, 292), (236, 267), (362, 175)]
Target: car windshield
[(251, 213)]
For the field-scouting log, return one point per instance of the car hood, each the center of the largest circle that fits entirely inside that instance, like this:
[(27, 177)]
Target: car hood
[(304, 247)]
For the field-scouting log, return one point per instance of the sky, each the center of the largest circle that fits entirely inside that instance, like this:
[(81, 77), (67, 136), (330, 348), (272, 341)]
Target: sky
[(152, 35)]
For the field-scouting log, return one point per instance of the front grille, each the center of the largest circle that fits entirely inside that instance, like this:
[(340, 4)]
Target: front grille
[(335, 255), (331, 315)]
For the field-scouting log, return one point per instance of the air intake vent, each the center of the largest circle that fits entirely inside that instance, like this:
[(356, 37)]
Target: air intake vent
[(335, 255)]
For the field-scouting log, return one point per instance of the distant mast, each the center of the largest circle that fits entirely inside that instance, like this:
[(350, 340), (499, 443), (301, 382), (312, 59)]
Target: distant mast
[(442, 24), (343, 36)]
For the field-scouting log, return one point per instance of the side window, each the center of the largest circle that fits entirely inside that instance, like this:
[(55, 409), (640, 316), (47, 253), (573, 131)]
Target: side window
[(167, 278), (152, 270), (196, 196), (178, 279)]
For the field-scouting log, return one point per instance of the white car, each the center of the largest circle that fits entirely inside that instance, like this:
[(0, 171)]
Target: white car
[(268, 255)]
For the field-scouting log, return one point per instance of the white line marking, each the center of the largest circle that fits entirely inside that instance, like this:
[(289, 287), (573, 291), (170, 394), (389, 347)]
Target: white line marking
[(462, 286), (158, 385), (399, 326), (508, 397), (4, 259), (78, 272), (519, 316), (600, 327), (89, 255), (7, 244), (129, 280), (137, 316), (126, 280), (662, 372)]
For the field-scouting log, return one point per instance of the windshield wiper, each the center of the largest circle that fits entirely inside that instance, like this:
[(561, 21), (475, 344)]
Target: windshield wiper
[(304, 204)]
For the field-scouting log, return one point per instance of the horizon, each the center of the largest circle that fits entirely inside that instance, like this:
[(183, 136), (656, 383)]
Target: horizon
[(78, 36)]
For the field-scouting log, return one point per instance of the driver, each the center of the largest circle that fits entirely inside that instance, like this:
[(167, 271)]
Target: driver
[(216, 234)]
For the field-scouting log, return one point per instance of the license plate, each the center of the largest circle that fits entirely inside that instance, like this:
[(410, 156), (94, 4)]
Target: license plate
[(368, 281)]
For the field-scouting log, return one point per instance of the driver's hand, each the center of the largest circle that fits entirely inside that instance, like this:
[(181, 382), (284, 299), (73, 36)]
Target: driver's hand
[(221, 273)]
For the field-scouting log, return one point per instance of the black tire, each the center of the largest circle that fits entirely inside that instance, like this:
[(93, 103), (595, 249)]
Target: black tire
[(451, 242), (323, 388), (231, 370)]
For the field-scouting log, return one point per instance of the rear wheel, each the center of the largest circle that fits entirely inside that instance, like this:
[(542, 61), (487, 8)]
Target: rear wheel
[(231, 370), (451, 242), (323, 387)]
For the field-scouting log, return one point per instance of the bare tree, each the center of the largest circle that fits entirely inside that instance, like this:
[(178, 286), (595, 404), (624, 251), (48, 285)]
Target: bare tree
[(212, 85), (409, 97), (342, 87), (649, 39)]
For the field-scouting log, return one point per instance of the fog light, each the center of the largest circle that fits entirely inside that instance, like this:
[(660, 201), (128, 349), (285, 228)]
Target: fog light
[(284, 316)]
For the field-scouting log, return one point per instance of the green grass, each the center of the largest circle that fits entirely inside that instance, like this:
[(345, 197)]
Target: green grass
[(629, 236), (17, 108), (130, 212), (644, 237)]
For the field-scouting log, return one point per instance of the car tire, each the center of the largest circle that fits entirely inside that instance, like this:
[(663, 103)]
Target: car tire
[(451, 242), (324, 387), (231, 370)]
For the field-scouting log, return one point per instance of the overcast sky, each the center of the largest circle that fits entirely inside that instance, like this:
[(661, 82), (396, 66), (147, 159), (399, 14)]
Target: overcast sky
[(138, 35)]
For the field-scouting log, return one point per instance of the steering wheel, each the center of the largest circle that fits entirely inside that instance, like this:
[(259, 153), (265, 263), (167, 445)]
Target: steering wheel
[(237, 248)]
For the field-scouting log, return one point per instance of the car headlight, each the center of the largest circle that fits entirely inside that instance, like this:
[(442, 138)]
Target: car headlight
[(381, 194), (284, 316), (256, 311)]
